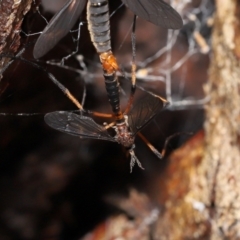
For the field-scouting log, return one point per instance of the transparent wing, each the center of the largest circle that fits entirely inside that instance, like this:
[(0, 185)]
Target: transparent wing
[(156, 11), (77, 125), (143, 112), (58, 27)]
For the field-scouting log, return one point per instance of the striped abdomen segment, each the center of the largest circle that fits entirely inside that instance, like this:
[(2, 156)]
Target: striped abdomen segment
[(98, 24), (112, 87)]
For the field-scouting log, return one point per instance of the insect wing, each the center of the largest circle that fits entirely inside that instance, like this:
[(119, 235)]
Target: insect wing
[(77, 125), (58, 27), (156, 11), (143, 112)]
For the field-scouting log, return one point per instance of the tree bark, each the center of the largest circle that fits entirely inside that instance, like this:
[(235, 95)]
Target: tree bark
[(222, 126), (11, 16), (202, 201)]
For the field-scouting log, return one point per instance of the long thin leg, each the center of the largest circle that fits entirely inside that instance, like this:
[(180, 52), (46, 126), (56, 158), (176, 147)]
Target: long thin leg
[(53, 79), (103, 115), (171, 137), (133, 79), (134, 160), (154, 150), (107, 126), (59, 85)]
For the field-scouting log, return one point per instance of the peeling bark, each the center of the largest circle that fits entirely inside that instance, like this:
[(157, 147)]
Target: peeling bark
[(11, 17)]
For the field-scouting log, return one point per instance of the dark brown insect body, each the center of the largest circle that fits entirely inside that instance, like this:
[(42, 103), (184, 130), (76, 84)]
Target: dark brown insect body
[(124, 136), (125, 129), (156, 11), (126, 124)]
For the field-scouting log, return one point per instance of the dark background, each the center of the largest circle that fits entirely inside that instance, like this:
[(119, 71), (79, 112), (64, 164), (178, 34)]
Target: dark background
[(52, 185)]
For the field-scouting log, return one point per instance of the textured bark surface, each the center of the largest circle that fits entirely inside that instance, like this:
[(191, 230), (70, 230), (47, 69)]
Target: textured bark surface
[(11, 17), (222, 155), (183, 216), (203, 201)]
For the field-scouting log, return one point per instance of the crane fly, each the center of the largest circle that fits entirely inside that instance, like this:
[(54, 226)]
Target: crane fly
[(125, 130), (126, 124), (157, 12)]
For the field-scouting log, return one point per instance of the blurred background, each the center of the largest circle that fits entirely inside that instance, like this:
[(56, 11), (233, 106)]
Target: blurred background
[(55, 186)]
